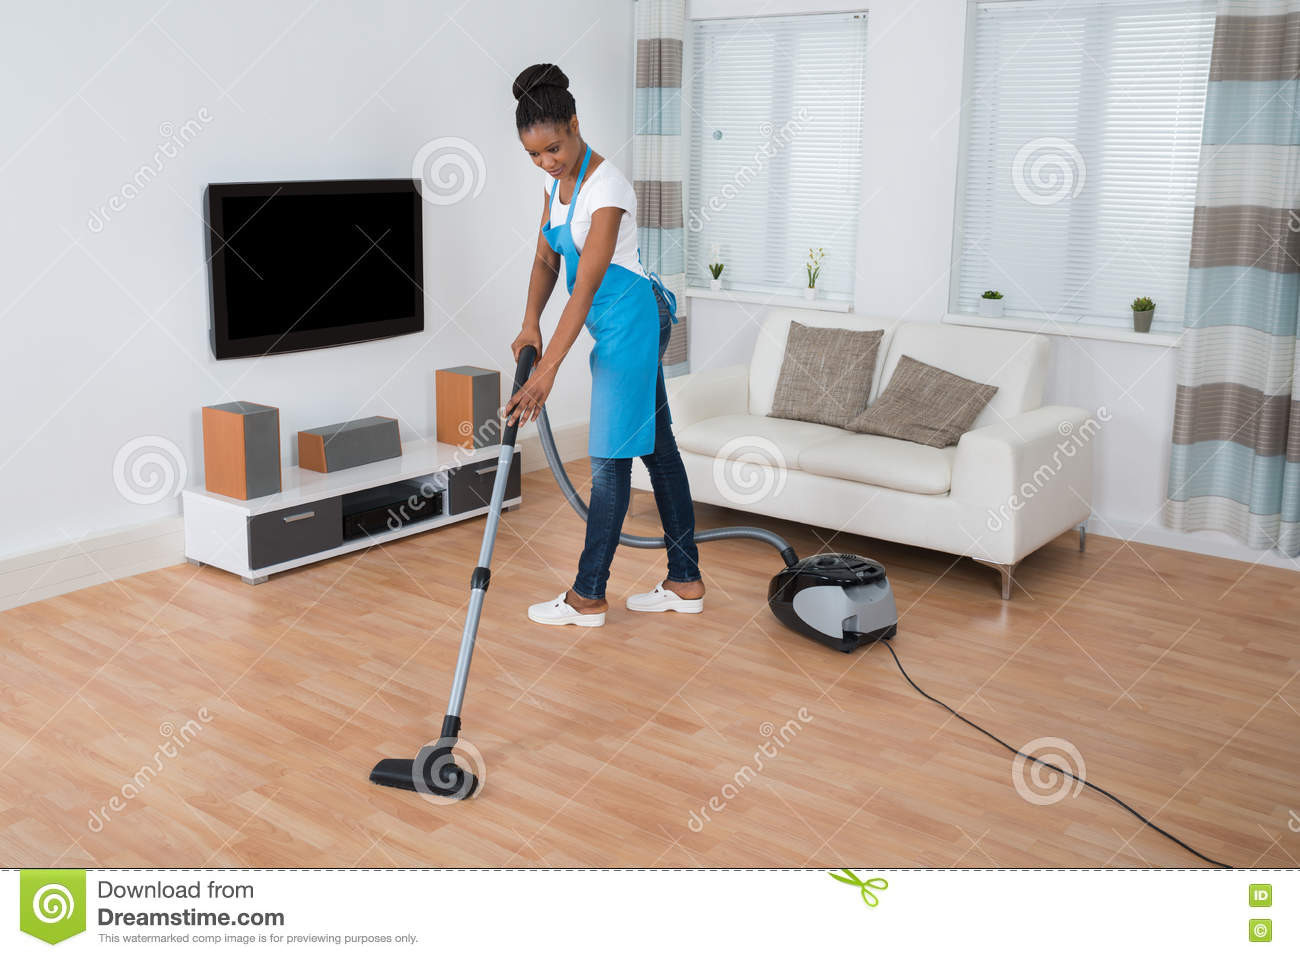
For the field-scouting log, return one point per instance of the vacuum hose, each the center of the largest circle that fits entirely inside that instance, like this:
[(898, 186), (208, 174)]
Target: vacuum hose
[(650, 542)]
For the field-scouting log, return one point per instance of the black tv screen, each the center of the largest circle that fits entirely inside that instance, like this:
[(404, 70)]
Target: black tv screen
[(309, 264)]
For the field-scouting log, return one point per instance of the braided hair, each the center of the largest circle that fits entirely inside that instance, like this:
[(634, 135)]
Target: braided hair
[(543, 94)]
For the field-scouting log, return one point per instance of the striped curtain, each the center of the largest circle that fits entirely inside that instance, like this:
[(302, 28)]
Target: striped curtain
[(657, 157), (1235, 465)]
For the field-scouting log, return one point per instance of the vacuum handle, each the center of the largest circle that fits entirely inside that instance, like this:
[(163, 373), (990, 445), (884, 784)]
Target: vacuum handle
[(527, 356)]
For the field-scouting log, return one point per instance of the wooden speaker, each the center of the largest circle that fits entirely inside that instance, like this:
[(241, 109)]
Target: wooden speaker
[(468, 406), (343, 445), (241, 449)]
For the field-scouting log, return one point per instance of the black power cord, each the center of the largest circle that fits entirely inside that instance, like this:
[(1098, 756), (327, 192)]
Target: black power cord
[(1118, 801)]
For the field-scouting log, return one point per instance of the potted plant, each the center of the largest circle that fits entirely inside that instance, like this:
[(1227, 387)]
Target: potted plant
[(991, 304), (1144, 309), (814, 268), (715, 284)]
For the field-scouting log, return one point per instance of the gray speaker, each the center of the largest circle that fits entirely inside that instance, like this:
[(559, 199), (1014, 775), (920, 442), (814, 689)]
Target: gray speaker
[(343, 445)]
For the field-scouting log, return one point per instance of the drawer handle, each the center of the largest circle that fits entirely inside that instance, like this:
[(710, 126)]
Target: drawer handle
[(301, 515), (485, 470)]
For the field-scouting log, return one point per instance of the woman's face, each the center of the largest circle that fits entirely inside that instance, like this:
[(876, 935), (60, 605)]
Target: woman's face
[(554, 147)]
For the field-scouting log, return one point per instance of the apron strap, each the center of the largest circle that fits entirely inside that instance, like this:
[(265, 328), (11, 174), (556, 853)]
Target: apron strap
[(582, 172)]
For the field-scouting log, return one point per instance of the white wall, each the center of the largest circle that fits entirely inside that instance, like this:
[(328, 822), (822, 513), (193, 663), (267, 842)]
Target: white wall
[(105, 330), (912, 116)]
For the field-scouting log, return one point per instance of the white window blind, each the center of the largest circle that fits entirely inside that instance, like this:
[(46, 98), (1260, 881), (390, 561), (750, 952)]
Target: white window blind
[(1083, 129), (775, 117)]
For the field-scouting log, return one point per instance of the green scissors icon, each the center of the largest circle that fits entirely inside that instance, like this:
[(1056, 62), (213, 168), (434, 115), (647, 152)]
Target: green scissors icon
[(865, 887)]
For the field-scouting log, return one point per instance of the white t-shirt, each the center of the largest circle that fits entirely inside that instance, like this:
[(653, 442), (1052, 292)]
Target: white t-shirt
[(604, 186)]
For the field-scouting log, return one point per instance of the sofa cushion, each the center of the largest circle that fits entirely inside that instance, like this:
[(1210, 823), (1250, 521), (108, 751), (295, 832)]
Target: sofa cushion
[(1014, 362), (773, 442), (769, 348), (826, 374), (926, 404), (881, 461)]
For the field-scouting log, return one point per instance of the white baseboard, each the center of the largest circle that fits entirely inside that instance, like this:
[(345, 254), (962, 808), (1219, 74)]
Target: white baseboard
[(92, 560), (1204, 543), (80, 563)]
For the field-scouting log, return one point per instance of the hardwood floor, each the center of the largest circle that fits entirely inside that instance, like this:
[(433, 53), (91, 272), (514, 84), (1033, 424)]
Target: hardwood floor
[(1172, 676)]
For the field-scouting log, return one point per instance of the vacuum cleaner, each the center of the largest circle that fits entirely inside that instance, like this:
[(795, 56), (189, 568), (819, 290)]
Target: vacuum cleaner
[(843, 601)]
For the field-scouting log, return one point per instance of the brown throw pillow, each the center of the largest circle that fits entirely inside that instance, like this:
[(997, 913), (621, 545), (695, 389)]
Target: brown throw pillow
[(826, 374), (924, 404)]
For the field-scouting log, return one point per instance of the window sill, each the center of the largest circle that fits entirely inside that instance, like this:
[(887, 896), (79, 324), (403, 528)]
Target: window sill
[(770, 299), (1069, 326)]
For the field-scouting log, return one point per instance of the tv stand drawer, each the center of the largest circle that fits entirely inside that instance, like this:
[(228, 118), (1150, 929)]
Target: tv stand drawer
[(275, 537), (470, 486)]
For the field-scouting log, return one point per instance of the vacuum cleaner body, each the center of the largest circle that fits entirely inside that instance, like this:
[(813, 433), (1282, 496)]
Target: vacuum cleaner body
[(840, 600)]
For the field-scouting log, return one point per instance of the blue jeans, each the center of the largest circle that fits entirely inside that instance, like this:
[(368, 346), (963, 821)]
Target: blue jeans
[(611, 489)]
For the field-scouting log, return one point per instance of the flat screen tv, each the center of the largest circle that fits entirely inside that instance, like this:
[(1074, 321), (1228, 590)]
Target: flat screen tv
[(309, 264)]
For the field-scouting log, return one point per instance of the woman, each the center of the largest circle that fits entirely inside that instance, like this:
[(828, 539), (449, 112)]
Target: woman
[(589, 221)]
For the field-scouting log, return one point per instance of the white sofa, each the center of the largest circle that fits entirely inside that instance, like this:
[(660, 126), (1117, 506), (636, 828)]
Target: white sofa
[(1020, 477)]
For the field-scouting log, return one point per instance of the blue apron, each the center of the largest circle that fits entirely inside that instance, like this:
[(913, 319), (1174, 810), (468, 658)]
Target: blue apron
[(624, 322)]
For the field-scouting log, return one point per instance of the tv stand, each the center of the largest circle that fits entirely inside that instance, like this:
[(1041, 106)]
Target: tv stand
[(305, 521)]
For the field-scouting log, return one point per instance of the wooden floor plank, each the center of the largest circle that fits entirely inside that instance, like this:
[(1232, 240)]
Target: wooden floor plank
[(1172, 675)]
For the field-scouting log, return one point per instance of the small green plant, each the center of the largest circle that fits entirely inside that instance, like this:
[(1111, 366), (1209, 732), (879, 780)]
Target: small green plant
[(716, 270), (1143, 304), (814, 265), (990, 294)]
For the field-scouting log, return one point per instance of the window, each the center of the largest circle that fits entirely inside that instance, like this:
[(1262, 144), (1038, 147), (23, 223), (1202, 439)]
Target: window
[(1081, 144), (775, 150)]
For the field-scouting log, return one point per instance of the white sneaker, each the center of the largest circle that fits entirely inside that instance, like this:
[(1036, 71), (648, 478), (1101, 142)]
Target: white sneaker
[(663, 600), (559, 612)]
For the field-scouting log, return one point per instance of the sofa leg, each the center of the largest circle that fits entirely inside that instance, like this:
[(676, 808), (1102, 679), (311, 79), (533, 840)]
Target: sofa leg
[(1083, 535), (1006, 571)]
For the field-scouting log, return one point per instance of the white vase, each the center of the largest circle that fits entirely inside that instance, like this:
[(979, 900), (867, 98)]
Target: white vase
[(990, 308), (810, 292), (715, 284)]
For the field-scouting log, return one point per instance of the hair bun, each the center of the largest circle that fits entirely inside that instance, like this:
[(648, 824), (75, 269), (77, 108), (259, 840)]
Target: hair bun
[(539, 75)]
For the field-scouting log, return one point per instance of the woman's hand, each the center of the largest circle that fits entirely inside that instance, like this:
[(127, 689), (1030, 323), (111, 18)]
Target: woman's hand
[(526, 405), (530, 335)]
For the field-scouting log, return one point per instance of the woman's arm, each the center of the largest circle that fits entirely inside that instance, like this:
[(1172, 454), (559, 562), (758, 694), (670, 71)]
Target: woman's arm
[(597, 252), (541, 282)]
